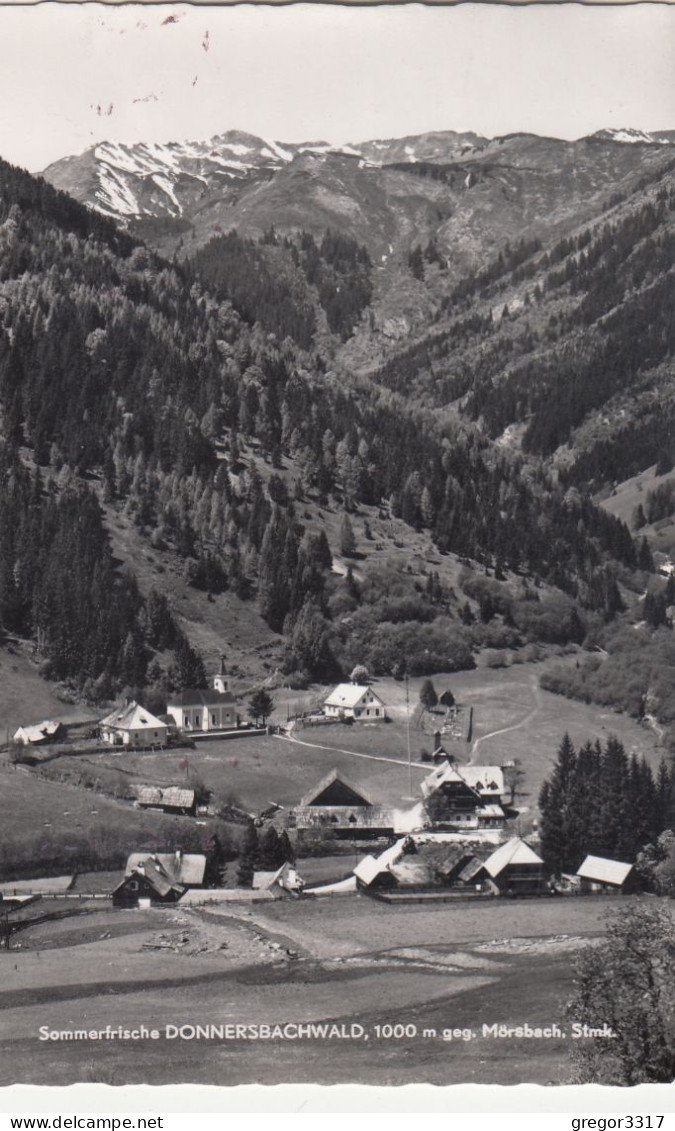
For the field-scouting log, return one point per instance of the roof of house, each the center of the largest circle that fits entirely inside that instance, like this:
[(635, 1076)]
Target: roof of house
[(158, 878), (367, 869), (173, 796), (515, 851), (131, 716), (490, 811), (332, 778), (206, 697), (604, 871), (471, 870), (486, 780), (348, 695), (178, 867), (38, 732), (264, 881)]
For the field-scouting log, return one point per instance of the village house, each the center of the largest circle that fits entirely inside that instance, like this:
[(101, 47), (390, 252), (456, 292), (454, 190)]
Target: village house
[(161, 877), (38, 733), (515, 869), (354, 701), (465, 797), (284, 882), (598, 874), (172, 799), (380, 872), (346, 810), (203, 711), (132, 725), (458, 868)]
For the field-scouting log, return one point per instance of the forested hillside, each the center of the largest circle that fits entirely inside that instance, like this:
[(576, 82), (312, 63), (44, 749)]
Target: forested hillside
[(131, 382), (567, 346)]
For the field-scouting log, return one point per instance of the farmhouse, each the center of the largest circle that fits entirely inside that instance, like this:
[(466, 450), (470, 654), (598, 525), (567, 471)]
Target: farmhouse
[(337, 805), (465, 797), (204, 711), (599, 874), (45, 731), (354, 701), (132, 725), (459, 868), (160, 877), (285, 881), (515, 869), (173, 799), (380, 871)]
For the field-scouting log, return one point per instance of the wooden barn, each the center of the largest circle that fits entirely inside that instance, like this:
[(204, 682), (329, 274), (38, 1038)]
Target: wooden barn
[(336, 804), (515, 869), (171, 799), (598, 874)]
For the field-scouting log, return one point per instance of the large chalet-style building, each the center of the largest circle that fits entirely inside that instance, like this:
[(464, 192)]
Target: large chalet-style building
[(346, 810), (354, 701), (467, 797), (201, 710)]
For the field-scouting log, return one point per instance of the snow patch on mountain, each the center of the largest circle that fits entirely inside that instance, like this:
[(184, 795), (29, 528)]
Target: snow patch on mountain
[(116, 193), (629, 136), (165, 185), (273, 149)]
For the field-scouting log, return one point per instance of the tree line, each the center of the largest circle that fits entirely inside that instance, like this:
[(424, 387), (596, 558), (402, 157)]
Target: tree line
[(601, 802)]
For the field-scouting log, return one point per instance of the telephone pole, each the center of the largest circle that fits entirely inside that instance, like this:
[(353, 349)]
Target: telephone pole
[(407, 713)]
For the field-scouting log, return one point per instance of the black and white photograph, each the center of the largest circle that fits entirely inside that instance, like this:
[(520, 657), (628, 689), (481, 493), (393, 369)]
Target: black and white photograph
[(337, 544)]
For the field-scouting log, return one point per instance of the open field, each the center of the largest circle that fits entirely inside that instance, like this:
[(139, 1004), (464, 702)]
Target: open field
[(513, 718), (27, 698), (358, 963), (54, 826), (264, 768), (45, 822), (626, 497)]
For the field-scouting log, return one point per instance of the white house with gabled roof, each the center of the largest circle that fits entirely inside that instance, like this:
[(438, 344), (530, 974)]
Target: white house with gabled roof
[(354, 701), (132, 725)]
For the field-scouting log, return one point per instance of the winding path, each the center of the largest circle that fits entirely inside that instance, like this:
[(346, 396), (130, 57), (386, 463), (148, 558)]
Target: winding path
[(354, 753), (516, 726)]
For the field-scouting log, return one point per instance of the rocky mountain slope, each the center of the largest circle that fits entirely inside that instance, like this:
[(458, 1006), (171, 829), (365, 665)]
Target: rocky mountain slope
[(465, 191)]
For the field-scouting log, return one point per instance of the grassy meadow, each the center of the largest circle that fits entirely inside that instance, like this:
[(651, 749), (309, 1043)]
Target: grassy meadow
[(513, 718), (357, 962)]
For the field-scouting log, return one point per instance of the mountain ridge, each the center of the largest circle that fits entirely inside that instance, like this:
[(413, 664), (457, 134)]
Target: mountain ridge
[(113, 176)]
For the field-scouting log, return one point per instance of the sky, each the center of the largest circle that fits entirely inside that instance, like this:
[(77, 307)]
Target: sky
[(73, 75)]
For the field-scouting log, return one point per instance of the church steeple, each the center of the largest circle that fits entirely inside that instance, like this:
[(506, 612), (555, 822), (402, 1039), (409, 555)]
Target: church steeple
[(220, 683)]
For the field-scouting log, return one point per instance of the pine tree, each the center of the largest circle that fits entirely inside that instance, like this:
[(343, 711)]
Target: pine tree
[(347, 539), (552, 802), (248, 857), (428, 696)]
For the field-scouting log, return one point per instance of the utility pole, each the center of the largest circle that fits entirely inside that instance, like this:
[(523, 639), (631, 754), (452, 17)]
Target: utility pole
[(407, 713)]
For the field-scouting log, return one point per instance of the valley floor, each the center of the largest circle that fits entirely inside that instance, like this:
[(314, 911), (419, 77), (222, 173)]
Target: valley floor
[(352, 962)]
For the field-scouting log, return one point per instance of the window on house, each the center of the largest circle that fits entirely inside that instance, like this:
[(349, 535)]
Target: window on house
[(133, 885), (213, 720)]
